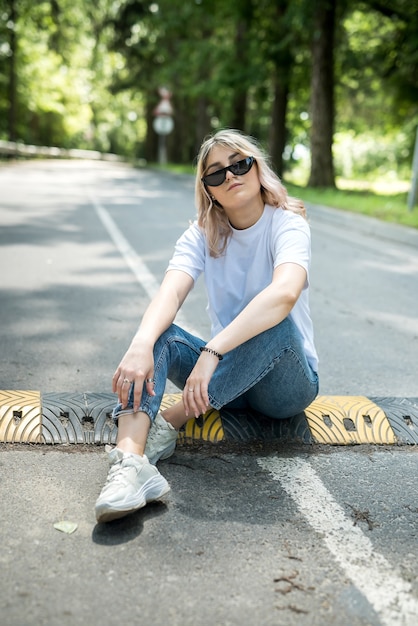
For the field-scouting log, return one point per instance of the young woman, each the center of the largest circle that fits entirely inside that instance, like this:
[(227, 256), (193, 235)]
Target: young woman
[(252, 243)]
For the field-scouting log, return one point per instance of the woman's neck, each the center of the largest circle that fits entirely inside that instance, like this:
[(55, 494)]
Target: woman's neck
[(245, 217)]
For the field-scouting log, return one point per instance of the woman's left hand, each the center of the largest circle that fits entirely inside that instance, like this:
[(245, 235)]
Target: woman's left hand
[(195, 392)]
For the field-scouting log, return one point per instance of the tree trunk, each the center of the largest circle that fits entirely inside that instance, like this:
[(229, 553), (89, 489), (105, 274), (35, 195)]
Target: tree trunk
[(12, 88), (151, 139), (240, 94), (202, 122), (322, 95), (181, 141), (278, 123)]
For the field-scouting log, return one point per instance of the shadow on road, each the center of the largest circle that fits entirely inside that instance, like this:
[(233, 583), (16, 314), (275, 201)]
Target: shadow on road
[(127, 528)]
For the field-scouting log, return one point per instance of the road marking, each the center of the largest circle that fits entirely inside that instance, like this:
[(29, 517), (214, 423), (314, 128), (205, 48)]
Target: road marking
[(370, 572), (138, 267), (140, 270)]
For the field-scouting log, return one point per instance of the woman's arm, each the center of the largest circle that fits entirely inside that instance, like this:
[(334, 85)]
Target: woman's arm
[(138, 362), (267, 309)]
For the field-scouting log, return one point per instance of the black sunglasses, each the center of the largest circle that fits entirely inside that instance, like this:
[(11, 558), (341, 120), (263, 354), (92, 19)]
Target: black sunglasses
[(238, 169)]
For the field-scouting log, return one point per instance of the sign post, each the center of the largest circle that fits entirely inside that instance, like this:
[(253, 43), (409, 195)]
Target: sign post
[(163, 123), (413, 192)]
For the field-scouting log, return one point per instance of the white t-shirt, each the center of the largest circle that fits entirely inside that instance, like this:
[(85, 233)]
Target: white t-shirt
[(246, 267)]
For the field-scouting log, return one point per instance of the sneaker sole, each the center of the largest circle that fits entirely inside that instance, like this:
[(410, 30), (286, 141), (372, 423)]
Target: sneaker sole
[(155, 488)]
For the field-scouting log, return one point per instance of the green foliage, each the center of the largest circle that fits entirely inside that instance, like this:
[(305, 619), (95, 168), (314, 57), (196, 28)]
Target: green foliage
[(372, 155), (87, 75), (63, 70), (378, 68)]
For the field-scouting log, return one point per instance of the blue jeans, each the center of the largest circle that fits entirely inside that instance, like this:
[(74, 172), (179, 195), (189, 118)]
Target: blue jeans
[(268, 373)]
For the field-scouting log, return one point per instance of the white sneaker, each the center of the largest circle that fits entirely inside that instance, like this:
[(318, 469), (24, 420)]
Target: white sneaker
[(131, 483), (161, 440)]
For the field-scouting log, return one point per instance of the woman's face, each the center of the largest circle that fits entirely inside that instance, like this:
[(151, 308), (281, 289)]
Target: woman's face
[(238, 195)]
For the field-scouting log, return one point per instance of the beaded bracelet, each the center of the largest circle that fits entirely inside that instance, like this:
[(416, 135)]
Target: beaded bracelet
[(205, 349)]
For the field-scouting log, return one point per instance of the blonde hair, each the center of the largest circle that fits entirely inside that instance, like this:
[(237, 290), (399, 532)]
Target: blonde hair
[(211, 216)]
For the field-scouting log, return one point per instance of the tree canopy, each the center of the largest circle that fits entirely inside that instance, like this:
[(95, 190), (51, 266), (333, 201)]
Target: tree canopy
[(302, 77)]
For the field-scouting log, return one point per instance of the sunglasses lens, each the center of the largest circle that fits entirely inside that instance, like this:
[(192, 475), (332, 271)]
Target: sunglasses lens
[(242, 167), (238, 169), (215, 179)]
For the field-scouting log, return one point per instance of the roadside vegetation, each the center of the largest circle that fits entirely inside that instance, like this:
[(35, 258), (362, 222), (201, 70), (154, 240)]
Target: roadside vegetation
[(384, 206), (373, 199), (330, 87)]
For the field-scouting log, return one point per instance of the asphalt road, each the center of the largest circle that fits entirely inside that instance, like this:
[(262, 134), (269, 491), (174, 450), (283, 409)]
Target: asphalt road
[(249, 535)]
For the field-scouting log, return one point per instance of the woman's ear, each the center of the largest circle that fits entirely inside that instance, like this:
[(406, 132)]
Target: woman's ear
[(214, 200)]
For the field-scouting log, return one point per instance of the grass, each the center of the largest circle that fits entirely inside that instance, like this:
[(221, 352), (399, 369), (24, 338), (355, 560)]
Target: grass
[(384, 206), (389, 205)]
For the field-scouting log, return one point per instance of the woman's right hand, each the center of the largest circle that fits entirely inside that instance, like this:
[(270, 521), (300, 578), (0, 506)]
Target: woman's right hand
[(138, 363), (137, 366)]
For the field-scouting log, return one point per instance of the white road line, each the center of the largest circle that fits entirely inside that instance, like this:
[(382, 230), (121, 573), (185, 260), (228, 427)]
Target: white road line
[(140, 270), (370, 572)]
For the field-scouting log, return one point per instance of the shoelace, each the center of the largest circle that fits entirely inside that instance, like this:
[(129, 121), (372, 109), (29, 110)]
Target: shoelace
[(116, 473)]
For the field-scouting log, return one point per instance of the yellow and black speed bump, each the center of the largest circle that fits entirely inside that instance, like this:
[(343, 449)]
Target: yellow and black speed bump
[(348, 420), (20, 416), (78, 418), (85, 418), (403, 414), (250, 426)]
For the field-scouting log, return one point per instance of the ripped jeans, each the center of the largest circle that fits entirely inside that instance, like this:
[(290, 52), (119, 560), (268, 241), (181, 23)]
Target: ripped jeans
[(269, 373)]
